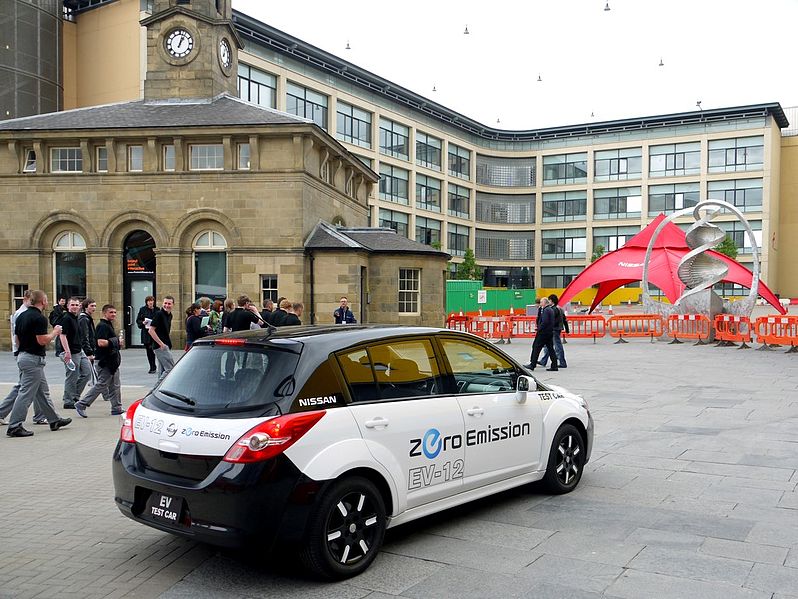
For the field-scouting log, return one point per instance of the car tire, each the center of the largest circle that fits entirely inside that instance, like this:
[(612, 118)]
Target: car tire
[(346, 529), (566, 461)]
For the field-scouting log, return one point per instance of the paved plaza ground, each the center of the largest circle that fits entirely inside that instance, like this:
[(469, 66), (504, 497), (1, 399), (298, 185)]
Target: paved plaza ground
[(691, 492)]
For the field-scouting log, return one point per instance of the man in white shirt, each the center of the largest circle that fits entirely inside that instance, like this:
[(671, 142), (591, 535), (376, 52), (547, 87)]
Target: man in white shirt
[(8, 403)]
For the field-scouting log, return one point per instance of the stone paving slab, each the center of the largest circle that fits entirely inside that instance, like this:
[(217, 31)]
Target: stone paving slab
[(691, 493)]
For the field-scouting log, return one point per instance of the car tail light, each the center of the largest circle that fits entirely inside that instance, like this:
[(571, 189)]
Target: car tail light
[(271, 438), (126, 434), (234, 341)]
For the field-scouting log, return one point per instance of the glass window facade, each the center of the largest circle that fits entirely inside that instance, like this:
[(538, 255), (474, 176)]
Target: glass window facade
[(507, 209), (101, 159), (394, 139), (268, 288), (409, 290), (458, 236), (674, 160), (618, 165), (66, 160), (563, 244), (243, 157), (612, 238), (618, 202), (393, 184), (739, 236), (564, 206), (733, 155), (669, 198), (207, 157), (257, 86), (459, 162), (505, 245), (565, 169), (169, 157), (428, 193), (30, 161), (506, 172), (428, 230), (69, 259), (353, 125), (135, 158), (558, 276), (393, 219), (745, 194), (459, 200), (428, 151), (210, 265), (307, 103)]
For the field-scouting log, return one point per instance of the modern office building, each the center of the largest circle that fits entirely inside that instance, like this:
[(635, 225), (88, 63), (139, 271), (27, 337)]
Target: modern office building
[(533, 204)]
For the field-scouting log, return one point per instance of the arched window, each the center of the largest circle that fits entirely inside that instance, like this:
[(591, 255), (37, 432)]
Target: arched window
[(69, 265), (210, 265)]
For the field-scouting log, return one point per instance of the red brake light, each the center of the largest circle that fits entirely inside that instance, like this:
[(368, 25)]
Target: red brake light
[(233, 341), (126, 434), (271, 438)]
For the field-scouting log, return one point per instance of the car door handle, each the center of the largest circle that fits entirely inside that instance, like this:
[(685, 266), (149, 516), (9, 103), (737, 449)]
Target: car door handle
[(475, 411), (376, 423)]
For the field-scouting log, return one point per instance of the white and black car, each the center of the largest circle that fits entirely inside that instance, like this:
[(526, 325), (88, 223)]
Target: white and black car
[(324, 437)]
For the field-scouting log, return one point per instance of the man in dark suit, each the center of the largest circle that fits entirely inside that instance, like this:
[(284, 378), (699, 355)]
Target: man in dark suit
[(544, 335)]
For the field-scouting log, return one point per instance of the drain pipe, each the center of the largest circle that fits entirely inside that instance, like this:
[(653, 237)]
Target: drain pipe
[(312, 302)]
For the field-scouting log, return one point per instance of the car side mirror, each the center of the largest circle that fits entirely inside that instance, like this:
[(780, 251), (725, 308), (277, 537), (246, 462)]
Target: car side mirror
[(522, 388)]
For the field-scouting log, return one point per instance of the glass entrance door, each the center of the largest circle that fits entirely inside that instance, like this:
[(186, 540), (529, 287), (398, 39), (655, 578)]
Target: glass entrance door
[(139, 290), (139, 279)]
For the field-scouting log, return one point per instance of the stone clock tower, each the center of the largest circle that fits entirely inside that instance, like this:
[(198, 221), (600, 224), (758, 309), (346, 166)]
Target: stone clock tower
[(192, 50)]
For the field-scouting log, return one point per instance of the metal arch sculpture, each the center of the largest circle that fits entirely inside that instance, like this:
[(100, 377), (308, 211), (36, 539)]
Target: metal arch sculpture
[(698, 271)]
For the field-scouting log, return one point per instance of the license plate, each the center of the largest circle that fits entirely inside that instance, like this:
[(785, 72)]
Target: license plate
[(165, 509)]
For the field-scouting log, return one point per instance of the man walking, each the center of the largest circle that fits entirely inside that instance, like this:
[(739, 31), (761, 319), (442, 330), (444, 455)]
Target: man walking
[(108, 360), (544, 335), (343, 315), (76, 363), (32, 340), (244, 315), (268, 308), (160, 328), (8, 402), (560, 323)]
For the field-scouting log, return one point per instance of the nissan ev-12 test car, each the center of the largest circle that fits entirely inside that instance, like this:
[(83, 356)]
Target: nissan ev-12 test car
[(323, 437)]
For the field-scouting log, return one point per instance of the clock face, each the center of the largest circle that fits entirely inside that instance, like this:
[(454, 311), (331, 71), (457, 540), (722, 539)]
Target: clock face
[(225, 54), (179, 43)]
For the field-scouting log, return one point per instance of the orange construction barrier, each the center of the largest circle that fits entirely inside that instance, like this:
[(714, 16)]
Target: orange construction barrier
[(731, 329), (523, 326), (491, 327), (689, 326), (458, 323), (585, 326), (635, 325), (777, 330)]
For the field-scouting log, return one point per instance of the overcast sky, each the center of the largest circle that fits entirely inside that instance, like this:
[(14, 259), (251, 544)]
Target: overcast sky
[(720, 52)]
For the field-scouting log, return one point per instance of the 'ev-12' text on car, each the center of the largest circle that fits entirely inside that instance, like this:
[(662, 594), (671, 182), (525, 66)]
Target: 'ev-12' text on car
[(323, 437)]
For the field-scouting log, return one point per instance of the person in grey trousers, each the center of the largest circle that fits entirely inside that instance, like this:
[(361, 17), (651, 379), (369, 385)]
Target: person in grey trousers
[(8, 403), (108, 360), (160, 327), (77, 367), (32, 341)]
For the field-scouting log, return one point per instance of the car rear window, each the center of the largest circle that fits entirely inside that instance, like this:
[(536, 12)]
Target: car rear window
[(229, 378)]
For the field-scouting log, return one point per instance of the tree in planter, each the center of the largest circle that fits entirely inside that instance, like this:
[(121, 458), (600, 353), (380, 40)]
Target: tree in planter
[(727, 248), (598, 252), (468, 269)]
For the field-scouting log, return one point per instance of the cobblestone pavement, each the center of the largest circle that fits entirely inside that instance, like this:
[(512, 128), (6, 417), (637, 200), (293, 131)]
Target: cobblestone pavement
[(691, 492)]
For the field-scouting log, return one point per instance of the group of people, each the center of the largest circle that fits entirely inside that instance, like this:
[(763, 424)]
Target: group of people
[(551, 322), (88, 351)]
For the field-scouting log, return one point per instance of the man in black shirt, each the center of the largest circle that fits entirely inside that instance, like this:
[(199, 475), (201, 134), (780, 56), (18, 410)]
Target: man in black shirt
[(76, 364), (280, 313), (242, 317), (108, 360), (32, 339), (268, 308), (544, 335), (160, 328)]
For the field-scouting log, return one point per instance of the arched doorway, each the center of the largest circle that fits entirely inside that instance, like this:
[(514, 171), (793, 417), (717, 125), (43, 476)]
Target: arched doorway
[(138, 269)]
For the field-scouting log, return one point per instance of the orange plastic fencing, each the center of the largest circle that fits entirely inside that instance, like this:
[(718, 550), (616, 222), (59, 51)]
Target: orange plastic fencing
[(635, 325), (731, 329), (491, 327), (689, 326), (523, 326), (585, 326), (458, 323), (777, 330)]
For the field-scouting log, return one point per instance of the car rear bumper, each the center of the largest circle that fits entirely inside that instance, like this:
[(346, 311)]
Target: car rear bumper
[(236, 503)]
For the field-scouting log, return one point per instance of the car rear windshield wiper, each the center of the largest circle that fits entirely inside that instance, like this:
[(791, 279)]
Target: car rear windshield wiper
[(182, 398)]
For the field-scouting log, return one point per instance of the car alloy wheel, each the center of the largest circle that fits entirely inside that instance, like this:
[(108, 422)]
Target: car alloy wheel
[(346, 529), (566, 458)]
